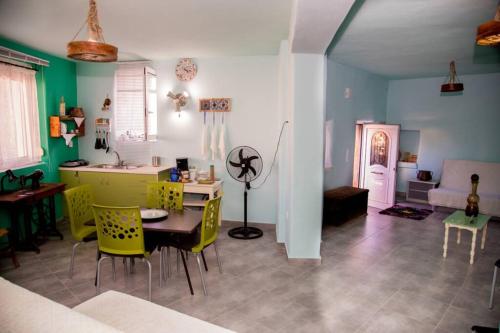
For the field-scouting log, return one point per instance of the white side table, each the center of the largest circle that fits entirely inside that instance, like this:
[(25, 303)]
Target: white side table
[(418, 190), (460, 221)]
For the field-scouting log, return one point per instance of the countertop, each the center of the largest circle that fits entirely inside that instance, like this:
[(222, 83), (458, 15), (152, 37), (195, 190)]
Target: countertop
[(144, 170)]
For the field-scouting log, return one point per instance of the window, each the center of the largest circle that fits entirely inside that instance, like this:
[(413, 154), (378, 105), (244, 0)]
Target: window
[(20, 132), (380, 144), (135, 115)]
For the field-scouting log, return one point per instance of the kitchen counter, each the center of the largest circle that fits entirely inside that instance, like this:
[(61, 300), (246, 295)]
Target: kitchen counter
[(143, 170)]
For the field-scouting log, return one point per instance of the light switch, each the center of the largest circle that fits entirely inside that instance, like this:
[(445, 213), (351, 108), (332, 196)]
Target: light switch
[(347, 93)]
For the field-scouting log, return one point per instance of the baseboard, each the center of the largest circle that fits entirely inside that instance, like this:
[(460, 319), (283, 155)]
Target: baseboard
[(249, 222), (305, 261)]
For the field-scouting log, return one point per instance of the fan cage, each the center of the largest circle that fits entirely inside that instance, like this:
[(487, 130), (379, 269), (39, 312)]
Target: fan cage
[(234, 156)]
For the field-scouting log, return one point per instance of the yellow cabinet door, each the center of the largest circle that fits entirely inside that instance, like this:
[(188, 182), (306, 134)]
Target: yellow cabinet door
[(118, 189), (70, 178)]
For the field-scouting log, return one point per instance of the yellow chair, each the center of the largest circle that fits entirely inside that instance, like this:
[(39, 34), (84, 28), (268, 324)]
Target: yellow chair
[(120, 234), (207, 236), (165, 195), (79, 201), (169, 196)]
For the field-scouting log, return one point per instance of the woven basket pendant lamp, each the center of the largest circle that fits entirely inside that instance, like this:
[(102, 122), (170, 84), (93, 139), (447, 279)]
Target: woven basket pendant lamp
[(453, 84), (94, 49), (488, 33)]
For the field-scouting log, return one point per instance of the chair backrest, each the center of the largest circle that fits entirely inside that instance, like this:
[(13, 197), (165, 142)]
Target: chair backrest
[(155, 195), (119, 230), (210, 222), (79, 201), (166, 195), (174, 196)]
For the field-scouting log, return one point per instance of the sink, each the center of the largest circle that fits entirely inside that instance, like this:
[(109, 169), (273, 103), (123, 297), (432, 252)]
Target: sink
[(117, 167), (130, 166), (105, 166)]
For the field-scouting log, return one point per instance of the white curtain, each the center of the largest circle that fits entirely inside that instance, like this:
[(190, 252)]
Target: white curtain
[(19, 120)]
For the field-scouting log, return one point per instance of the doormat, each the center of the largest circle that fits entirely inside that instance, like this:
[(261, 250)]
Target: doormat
[(407, 212)]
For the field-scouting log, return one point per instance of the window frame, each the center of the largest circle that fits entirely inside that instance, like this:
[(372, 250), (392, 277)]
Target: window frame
[(147, 73), (33, 154)]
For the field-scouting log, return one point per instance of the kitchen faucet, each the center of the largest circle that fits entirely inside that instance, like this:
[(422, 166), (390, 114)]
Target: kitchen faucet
[(120, 162)]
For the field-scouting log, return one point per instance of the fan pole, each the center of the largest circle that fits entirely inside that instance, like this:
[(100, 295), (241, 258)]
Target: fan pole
[(245, 232), (245, 196)]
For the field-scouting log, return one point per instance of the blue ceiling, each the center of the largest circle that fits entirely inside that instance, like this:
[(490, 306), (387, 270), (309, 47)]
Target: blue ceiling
[(416, 38)]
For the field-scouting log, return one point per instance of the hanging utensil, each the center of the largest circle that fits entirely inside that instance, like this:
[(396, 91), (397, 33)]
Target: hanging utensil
[(107, 137), (103, 144), (97, 141)]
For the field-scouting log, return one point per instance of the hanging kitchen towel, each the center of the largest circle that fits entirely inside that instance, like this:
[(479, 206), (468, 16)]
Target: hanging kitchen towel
[(222, 141), (328, 144), (67, 137), (213, 142), (204, 142)]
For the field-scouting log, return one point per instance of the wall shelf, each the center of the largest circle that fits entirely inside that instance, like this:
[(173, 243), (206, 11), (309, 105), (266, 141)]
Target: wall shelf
[(55, 125)]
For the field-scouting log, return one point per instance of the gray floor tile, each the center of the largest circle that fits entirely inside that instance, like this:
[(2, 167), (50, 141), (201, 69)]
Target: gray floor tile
[(378, 274)]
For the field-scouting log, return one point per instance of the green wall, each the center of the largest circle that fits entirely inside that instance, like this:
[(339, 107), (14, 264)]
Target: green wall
[(59, 79)]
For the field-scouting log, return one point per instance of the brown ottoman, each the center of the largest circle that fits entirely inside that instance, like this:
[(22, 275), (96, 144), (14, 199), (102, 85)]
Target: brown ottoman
[(343, 204)]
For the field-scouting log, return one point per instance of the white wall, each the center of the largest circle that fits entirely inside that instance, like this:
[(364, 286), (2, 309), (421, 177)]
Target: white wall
[(252, 83)]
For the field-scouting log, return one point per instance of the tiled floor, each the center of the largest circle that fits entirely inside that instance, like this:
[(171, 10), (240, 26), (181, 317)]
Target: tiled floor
[(378, 274)]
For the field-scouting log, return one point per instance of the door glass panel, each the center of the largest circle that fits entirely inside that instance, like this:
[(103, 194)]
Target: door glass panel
[(379, 148)]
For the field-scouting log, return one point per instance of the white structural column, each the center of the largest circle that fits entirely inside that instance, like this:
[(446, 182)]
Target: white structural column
[(306, 195), (284, 161), (302, 83)]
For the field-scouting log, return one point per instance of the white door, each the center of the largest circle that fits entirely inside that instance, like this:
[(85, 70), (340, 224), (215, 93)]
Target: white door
[(379, 159)]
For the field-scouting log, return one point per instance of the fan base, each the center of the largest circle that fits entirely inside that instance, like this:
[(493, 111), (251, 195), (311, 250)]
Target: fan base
[(245, 233)]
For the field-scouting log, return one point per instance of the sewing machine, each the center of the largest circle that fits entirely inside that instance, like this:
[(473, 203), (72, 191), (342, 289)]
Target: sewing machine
[(35, 177)]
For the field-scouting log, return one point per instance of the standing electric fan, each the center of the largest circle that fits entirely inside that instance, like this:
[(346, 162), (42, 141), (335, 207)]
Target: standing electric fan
[(244, 164)]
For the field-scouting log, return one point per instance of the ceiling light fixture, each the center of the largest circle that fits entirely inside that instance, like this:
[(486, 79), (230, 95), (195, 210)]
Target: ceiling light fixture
[(488, 33), (453, 83), (179, 100), (94, 49)]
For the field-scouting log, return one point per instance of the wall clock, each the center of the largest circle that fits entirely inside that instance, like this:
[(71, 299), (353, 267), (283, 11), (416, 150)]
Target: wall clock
[(186, 69)]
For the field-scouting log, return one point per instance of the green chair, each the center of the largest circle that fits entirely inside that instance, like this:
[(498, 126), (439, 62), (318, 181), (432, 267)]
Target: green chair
[(120, 234), (208, 234), (79, 202), (165, 195), (169, 196)]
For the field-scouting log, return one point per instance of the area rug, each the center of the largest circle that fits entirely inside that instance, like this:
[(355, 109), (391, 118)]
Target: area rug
[(407, 212)]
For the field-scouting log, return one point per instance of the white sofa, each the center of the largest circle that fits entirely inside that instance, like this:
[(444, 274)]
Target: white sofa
[(455, 186), (111, 312)]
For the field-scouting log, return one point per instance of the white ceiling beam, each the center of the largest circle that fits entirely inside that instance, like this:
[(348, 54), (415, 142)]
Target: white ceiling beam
[(314, 23)]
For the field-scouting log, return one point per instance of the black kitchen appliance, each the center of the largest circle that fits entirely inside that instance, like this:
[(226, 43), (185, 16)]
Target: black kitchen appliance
[(182, 164)]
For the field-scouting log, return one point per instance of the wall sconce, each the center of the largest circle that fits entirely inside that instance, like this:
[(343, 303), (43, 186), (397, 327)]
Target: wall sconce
[(179, 100)]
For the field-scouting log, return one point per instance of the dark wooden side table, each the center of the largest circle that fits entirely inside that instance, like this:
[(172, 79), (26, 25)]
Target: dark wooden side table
[(23, 201)]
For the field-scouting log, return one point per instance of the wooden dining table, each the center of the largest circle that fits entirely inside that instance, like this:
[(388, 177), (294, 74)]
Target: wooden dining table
[(184, 222)]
